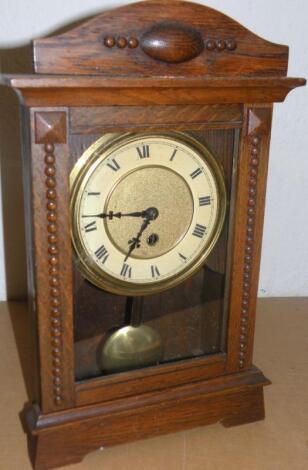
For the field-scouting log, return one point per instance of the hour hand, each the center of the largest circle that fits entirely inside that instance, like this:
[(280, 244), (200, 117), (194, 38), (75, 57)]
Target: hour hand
[(135, 242)]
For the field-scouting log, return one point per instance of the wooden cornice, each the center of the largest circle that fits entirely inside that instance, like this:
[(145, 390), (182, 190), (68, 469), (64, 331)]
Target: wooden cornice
[(61, 90)]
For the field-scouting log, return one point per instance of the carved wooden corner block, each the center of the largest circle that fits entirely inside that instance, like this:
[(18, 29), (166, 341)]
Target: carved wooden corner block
[(259, 120), (50, 127)]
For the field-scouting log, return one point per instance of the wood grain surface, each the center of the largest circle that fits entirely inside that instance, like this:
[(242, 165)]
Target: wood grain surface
[(155, 64), (176, 38)]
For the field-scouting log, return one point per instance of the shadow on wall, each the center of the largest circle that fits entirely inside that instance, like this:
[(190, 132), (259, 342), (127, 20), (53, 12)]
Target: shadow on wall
[(15, 60)]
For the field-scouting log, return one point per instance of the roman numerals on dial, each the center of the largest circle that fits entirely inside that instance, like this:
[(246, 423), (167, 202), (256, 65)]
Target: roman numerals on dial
[(90, 227), (114, 212), (205, 201), (173, 154), (196, 173), (126, 270), (114, 165), (199, 231), (102, 254), (144, 151), (182, 257), (154, 271)]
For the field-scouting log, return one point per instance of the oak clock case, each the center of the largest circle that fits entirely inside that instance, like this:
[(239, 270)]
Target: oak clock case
[(146, 132)]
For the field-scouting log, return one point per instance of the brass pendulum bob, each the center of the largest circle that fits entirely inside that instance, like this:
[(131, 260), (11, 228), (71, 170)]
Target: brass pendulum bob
[(132, 346)]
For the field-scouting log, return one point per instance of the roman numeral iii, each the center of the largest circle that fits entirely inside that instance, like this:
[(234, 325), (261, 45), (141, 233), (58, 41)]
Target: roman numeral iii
[(199, 231), (144, 151), (205, 201)]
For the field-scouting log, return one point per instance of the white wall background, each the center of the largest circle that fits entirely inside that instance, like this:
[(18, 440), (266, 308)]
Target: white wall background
[(284, 269)]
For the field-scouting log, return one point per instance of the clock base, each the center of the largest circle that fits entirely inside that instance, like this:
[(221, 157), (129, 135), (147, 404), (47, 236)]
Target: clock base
[(66, 437)]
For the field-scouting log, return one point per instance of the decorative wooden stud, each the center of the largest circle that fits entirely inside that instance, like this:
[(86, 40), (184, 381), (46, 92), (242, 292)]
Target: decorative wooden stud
[(52, 248), (231, 44), (133, 43), (109, 41), (172, 42), (220, 45), (255, 143), (121, 42), (210, 45)]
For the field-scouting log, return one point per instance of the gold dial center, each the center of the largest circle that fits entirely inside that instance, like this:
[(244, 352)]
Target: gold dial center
[(144, 188)]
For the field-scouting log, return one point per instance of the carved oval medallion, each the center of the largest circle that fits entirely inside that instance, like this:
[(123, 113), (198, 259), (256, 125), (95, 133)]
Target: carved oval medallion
[(172, 42)]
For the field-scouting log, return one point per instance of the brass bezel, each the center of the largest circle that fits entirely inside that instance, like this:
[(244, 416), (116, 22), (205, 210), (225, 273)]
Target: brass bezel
[(92, 156)]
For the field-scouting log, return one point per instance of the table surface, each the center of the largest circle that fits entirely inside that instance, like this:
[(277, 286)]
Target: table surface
[(278, 443)]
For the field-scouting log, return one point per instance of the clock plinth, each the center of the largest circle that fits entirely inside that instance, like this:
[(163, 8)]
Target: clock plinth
[(67, 437), (170, 85)]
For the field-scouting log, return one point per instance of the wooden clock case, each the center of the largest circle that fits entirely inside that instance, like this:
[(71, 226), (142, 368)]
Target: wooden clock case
[(155, 65)]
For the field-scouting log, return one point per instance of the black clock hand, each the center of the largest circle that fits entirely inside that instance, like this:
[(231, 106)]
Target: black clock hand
[(110, 215), (151, 214), (135, 241)]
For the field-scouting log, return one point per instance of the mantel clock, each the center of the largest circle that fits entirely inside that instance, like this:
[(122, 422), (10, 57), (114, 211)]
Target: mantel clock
[(148, 131)]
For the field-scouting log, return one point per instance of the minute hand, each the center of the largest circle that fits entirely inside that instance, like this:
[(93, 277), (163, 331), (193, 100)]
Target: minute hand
[(110, 215)]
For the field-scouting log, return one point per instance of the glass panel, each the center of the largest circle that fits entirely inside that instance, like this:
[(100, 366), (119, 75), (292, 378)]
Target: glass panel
[(188, 320)]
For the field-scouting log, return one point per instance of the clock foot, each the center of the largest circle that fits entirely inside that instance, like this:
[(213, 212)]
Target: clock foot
[(244, 415), (41, 459)]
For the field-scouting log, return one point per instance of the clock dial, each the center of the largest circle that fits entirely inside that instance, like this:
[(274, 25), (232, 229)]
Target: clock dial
[(146, 211)]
